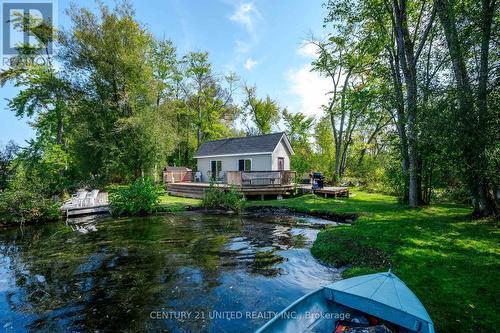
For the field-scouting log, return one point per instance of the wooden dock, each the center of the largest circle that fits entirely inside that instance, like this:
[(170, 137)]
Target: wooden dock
[(77, 211), (327, 191), (332, 191), (76, 207)]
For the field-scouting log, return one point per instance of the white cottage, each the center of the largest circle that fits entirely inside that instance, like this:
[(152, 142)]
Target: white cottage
[(269, 152)]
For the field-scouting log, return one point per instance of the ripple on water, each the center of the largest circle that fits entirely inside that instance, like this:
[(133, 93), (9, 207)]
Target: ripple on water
[(112, 279)]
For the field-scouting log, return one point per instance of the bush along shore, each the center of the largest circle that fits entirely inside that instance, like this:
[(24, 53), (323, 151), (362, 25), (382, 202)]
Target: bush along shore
[(439, 251)]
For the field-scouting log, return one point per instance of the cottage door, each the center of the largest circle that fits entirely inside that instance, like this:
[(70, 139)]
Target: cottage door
[(281, 163)]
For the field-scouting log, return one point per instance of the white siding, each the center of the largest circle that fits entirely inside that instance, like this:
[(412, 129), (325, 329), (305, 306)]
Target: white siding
[(230, 163), (281, 151)]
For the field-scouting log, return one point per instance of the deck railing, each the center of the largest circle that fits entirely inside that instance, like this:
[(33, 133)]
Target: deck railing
[(259, 178), (177, 176)]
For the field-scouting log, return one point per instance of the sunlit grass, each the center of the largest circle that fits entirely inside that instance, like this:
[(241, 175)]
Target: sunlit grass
[(449, 260), (170, 203)]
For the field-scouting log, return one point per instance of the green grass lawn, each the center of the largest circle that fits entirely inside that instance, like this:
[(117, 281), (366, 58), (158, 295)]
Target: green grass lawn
[(451, 262), (170, 203)]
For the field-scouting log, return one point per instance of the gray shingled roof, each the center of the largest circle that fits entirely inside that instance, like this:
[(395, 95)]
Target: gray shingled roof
[(244, 145)]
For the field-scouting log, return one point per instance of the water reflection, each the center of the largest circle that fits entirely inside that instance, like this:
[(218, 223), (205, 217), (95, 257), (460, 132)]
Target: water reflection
[(54, 278)]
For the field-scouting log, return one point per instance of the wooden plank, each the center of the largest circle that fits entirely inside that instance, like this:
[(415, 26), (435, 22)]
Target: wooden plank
[(186, 195), (88, 210), (335, 191), (196, 190)]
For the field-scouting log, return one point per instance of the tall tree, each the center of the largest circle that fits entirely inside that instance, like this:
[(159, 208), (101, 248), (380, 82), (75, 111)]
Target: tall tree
[(110, 59), (264, 113), (210, 98), (298, 128), (343, 60), (408, 54), (393, 33), (44, 96), (475, 118)]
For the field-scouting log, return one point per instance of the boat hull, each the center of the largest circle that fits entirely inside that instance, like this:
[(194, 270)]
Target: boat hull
[(381, 300), (310, 313)]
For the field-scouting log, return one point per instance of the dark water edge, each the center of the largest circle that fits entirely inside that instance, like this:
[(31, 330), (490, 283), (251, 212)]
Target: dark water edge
[(197, 272)]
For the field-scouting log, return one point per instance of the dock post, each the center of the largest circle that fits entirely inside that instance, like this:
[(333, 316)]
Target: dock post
[(326, 195), (279, 197), (262, 197)]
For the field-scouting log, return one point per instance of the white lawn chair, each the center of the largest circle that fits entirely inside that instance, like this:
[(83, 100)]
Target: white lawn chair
[(197, 177), (91, 198), (77, 199)]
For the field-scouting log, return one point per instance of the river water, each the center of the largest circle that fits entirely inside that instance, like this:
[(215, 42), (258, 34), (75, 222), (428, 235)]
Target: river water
[(183, 272)]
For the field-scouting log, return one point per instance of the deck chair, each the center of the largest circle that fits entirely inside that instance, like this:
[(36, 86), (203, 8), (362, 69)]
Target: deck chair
[(91, 198), (197, 177), (77, 199)]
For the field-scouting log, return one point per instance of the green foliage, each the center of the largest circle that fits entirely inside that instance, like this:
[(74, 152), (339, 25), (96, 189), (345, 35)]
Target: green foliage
[(120, 131), (216, 197), (139, 198), (301, 164), (298, 129), (126, 105), (25, 206), (264, 113), (25, 202), (7, 156), (209, 98), (395, 180)]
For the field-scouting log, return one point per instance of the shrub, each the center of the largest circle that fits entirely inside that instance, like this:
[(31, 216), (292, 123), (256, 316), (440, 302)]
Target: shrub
[(26, 206), (222, 198), (139, 198), (26, 201)]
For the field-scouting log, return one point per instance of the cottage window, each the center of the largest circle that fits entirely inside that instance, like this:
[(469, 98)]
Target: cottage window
[(245, 165), (215, 169)]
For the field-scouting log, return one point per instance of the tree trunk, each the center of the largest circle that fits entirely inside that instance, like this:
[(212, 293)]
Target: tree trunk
[(472, 120), (60, 129), (407, 61), (339, 139), (400, 116)]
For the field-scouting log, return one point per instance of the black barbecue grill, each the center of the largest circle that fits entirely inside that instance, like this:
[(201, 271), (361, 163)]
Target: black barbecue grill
[(317, 180)]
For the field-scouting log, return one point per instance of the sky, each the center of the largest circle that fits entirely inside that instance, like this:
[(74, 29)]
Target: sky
[(263, 41)]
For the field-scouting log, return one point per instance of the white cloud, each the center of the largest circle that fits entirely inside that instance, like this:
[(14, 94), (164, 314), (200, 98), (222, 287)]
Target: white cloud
[(250, 63), (246, 14), (311, 89), (308, 50)]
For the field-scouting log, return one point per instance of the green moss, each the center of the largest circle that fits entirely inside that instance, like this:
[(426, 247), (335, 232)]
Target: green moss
[(449, 260)]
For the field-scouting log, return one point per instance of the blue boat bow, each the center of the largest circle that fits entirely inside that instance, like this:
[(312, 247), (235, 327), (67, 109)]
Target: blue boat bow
[(385, 296)]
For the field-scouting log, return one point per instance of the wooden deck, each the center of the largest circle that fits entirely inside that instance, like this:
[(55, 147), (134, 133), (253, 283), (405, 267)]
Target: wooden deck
[(87, 207), (333, 191), (327, 191), (196, 190)]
